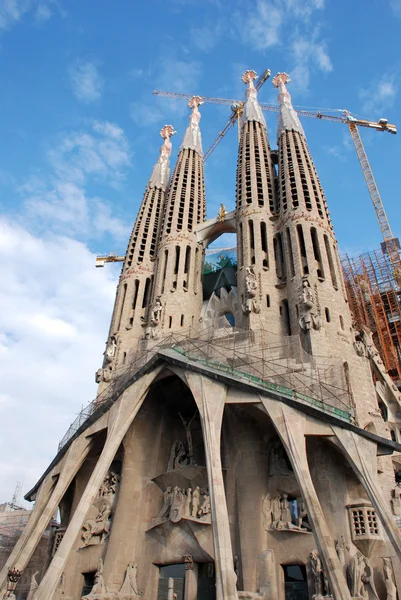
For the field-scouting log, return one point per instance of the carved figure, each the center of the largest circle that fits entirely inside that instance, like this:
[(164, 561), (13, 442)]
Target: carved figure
[(110, 349), (165, 509), (222, 213), (177, 456), (341, 547), (308, 317), (396, 499), (177, 505), (251, 288), (285, 510), (156, 312), (360, 574), (316, 566), (368, 580), (130, 585), (99, 587), (98, 527), (267, 503), (109, 485), (278, 463), (391, 589), (359, 345), (103, 375), (276, 510), (195, 501), (33, 586), (187, 426), (302, 514), (187, 508), (205, 506)]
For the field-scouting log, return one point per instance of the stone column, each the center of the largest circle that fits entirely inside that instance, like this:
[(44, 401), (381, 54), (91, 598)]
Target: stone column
[(361, 454), (290, 425), (49, 497), (191, 583), (210, 397), (121, 416)]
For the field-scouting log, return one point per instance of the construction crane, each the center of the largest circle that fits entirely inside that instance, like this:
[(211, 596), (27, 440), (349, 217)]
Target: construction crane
[(391, 244), (101, 260)]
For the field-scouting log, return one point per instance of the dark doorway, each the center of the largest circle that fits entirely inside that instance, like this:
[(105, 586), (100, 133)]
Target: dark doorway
[(89, 582), (177, 573), (296, 585), (206, 582)]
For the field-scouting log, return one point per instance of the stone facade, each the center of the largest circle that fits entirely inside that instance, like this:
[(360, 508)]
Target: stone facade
[(220, 461)]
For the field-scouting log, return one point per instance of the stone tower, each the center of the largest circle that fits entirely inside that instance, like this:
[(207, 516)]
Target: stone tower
[(222, 462), (177, 295), (136, 280)]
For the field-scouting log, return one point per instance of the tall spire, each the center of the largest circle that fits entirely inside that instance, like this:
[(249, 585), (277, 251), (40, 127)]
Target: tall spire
[(161, 171), (192, 138), (252, 110), (288, 119)]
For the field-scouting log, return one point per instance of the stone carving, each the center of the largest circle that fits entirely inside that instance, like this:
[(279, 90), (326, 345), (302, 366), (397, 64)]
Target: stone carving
[(170, 591), (360, 578), (396, 499), (267, 505), (188, 562), (99, 587), (277, 514), (278, 463), (156, 312), (251, 289), (188, 433), (222, 213), (177, 456), (317, 572), (180, 503), (111, 348), (359, 346), (161, 171), (33, 586), (342, 546), (103, 375), (96, 530), (309, 315), (391, 589), (130, 585)]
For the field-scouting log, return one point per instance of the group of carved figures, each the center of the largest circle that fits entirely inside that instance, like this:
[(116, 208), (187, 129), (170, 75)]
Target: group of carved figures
[(129, 587), (189, 503), (277, 513), (309, 310), (360, 575), (96, 530)]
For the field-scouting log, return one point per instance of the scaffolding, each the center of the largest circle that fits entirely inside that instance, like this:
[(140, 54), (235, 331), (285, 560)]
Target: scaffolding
[(374, 296), (258, 358)]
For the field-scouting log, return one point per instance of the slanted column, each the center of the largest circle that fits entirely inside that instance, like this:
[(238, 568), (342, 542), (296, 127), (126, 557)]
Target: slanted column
[(49, 498), (121, 416), (290, 425), (210, 397), (361, 454)]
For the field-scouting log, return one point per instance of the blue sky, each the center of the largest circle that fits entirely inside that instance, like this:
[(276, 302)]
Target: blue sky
[(79, 130)]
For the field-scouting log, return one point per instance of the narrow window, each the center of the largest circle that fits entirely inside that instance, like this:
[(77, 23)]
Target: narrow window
[(302, 249), (290, 253), (331, 263), (252, 241), (89, 582), (263, 237), (177, 259), (341, 322), (182, 320), (170, 322), (164, 269), (135, 298), (267, 300), (124, 357), (122, 305), (146, 293), (316, 253), (327, 313), (240, 247), (279, 255), (187, 259), (285, 313)]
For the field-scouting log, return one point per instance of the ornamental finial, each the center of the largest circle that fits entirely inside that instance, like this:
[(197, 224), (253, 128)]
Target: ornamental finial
[(161, 171), (195, 101), (167, 131), (252, 110), (280, 79), (192, 138), (249, 77)]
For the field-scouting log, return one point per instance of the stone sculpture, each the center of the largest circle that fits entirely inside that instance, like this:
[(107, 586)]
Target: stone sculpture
[(285, 509), (396, 499), (316, 567), (96, 531), (177, 505), (188, 433), (267, 511), (33, 586), (156, 312), (110, 349), (188, 501), (165, 509), (177, 456), (222, 213), (109, 485), (360, 578), (99, 586), (308, 315), (251, 288), (195, 502), (277, 513), (130, 585), (205, 506), (391, 589), (342, 547), (180, 503), (278, 463)]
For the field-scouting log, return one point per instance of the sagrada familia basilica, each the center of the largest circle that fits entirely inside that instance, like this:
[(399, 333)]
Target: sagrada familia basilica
[(242, 441)]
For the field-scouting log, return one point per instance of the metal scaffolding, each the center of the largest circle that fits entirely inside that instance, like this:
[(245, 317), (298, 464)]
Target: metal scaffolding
[(374, 296)]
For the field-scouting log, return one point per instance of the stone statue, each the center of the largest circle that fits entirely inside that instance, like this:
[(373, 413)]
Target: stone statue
[(368, 580), (177, 456), (276, 510), (222, 213), (130, 585), (205, 506), (97, 528), (302, 514), (110, 349), (308, 317), (278, 463), (109, 485), (195, 501), (341, 548), (396, 499), (285, 510), (187, 508), (156, 312), (316, 566), (99, 587), (359, 345), (187, 426), (165, 509), (391, 589), (103, 375), (360, 578), (177, 505), (33, 586), (267, 511), (251, 288)]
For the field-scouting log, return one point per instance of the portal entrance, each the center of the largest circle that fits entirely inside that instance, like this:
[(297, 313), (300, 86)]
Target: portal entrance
[(177, 574), (206, 582), (296, 584)]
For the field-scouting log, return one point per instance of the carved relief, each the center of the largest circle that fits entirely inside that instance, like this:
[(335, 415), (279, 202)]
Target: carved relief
[(277, 514), (129, 587), (111, 348), (251, 289), (189, 504), (342, 547), (99, 586), (321, 581), (309, 308), (360, 577), (391, 589), (96, 530), (103, 375), (396, 499)]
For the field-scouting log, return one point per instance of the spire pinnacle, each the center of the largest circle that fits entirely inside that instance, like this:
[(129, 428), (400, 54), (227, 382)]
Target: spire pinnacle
[(161, 171), (192, 138), (252, 110), (288, 119)]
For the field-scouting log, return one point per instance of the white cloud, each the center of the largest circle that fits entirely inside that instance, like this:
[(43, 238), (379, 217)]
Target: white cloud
[(379, 96), (12, 11), (43, 12), (206, 38), (85, 80), (55, 309), (308, 54), (395, 6)]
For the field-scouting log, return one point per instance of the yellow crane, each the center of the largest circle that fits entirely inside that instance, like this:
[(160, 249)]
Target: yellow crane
[(391, 243), (101, 260)]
